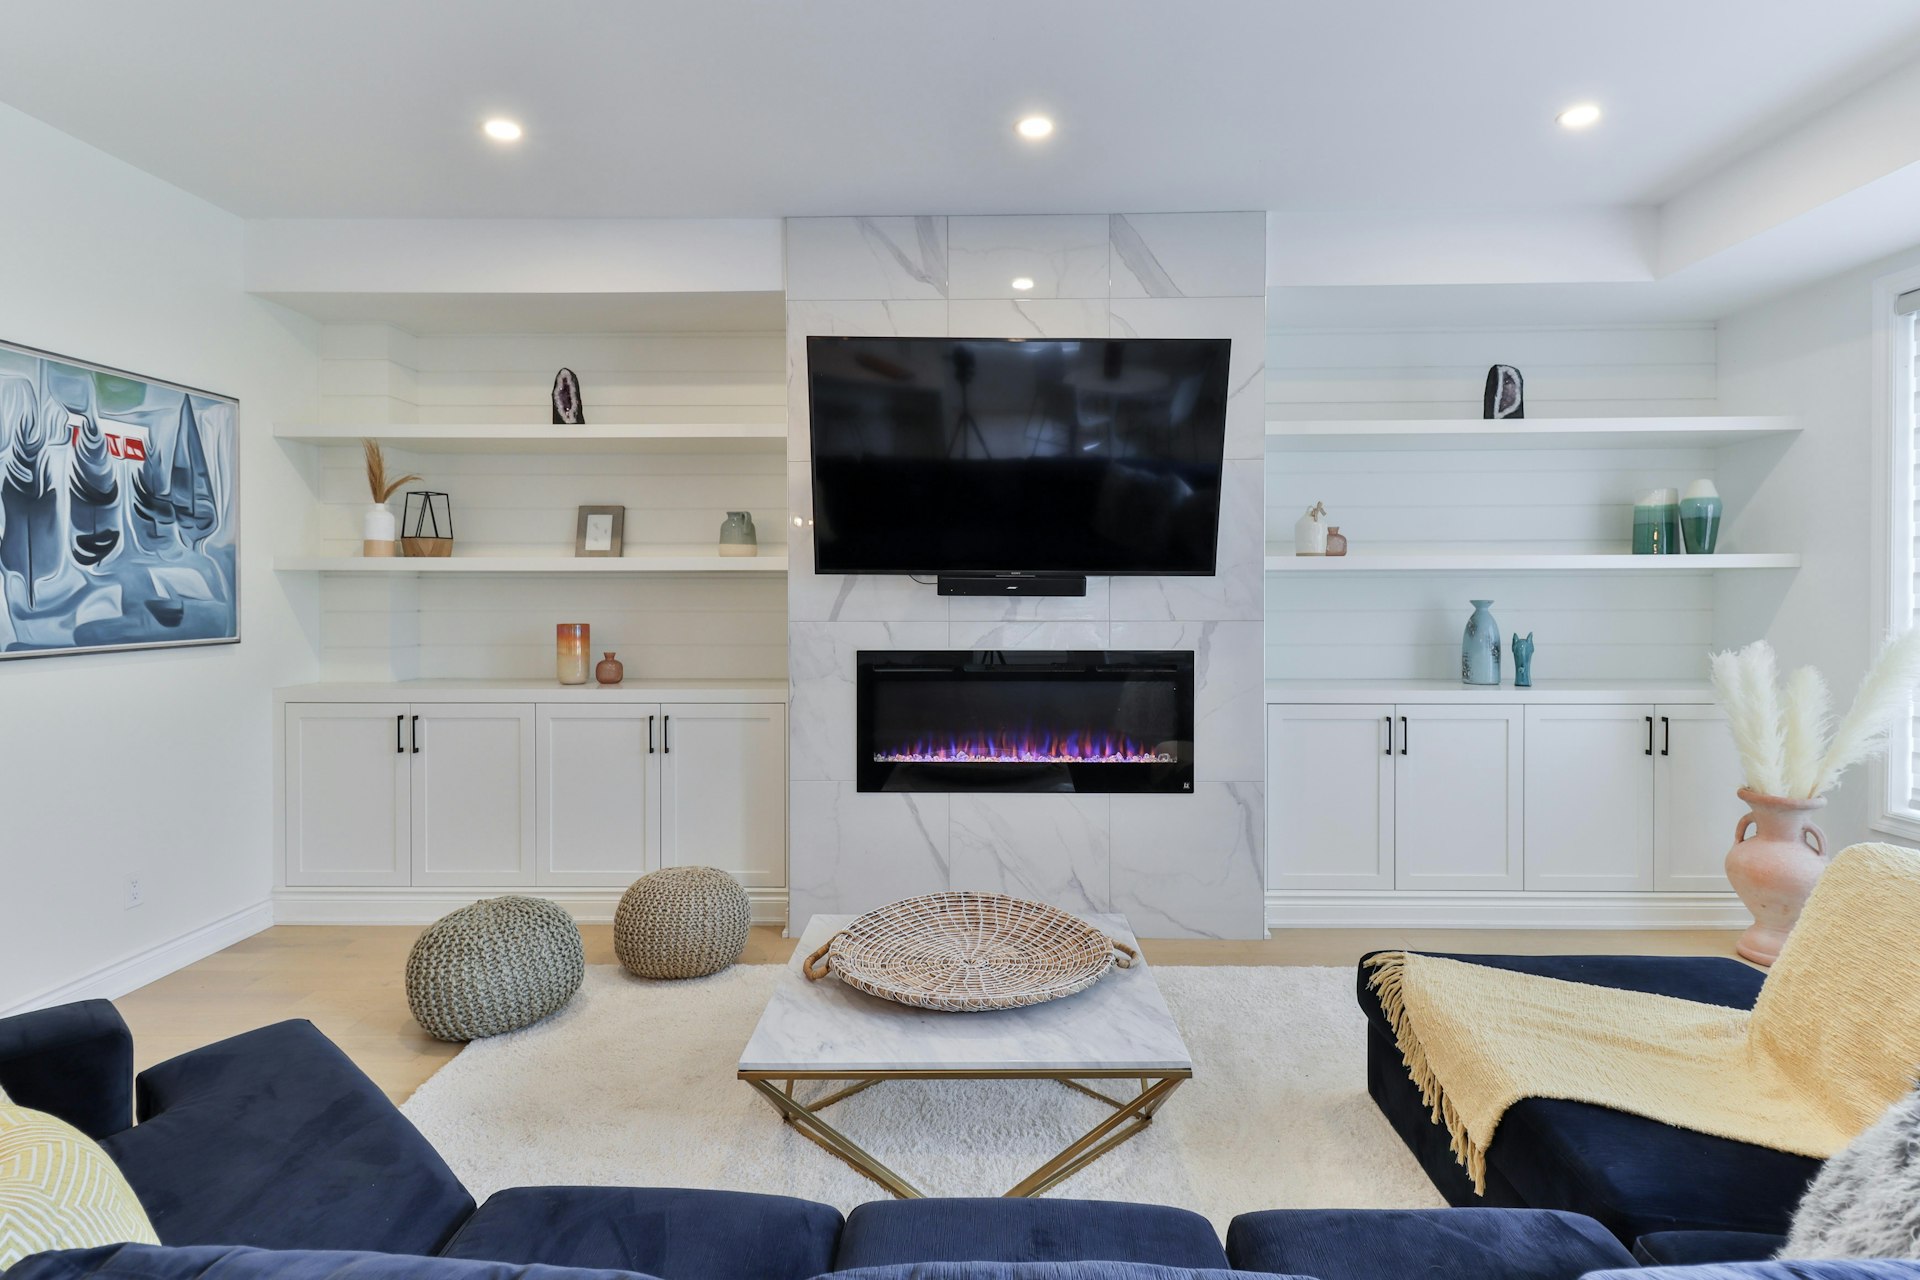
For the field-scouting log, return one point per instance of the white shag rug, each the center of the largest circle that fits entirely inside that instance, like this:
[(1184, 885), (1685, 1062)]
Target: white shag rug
[(632, 1084)]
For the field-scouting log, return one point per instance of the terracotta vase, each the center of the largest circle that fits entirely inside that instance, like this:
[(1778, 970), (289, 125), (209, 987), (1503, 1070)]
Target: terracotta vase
[(1775, 868), (610, 670)]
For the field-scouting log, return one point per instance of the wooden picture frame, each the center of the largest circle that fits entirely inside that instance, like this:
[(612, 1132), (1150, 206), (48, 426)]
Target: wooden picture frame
[(601, 532)]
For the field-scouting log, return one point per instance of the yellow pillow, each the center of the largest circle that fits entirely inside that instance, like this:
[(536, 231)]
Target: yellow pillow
[(59, 1190)]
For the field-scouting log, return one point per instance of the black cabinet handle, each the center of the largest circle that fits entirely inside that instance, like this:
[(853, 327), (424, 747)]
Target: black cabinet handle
[(666, 735), (1403, 735), (1389, 720), (1666, 736), (399, 746), (1649, 735), (416, 735), (649, 735)]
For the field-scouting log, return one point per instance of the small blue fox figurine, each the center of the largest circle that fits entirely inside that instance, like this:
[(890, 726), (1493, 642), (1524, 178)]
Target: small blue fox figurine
[(1523, 661)]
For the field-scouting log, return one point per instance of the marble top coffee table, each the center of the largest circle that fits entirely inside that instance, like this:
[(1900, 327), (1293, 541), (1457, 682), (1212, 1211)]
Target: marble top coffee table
[(1119, 1029)]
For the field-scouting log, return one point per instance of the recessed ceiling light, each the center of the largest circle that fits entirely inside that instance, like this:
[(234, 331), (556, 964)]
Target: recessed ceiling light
[(1035, 127), (1579, 116), (501, 129), (1023, 282)]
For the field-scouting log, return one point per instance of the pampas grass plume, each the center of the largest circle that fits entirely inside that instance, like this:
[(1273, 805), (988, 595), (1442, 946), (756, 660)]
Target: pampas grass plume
[(377, 482), (1808, 722), (1747, 686), (1885, 694)]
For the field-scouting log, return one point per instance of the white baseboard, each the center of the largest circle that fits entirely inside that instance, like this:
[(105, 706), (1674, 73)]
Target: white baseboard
[(131, 972), (1320, 909), (424, 906)]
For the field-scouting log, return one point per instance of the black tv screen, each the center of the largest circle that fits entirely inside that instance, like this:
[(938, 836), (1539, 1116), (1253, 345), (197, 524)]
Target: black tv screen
[(980, 455)]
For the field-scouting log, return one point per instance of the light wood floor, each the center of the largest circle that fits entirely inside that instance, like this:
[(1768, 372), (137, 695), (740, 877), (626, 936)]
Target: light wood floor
[(348, 980)]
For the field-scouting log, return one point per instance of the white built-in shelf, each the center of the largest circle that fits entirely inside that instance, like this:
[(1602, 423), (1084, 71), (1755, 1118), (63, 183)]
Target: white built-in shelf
[(1343, 692), (628, 437), (1522, 562), (654, 560), (635, 689), (1697, 432)]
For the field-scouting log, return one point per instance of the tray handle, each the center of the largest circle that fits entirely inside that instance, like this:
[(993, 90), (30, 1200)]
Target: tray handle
[(806, 967), (1125, 956)]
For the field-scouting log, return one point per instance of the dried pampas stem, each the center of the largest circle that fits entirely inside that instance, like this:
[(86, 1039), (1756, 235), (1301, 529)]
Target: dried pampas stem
[(1745, 683), (1808, 722), (1885, 694), (377, 482)]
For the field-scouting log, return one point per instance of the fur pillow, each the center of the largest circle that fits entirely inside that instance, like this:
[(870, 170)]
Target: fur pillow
[(1865, 1202)]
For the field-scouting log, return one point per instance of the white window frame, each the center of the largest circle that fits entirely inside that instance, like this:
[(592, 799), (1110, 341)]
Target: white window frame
[(1892, 554)]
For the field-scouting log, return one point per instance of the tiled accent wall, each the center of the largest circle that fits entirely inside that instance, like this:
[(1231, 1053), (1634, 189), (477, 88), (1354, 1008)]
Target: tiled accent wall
[(1176, 866)]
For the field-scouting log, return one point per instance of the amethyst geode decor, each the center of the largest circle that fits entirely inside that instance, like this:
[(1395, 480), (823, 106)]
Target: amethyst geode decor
[(567, 409), (1506, 395)]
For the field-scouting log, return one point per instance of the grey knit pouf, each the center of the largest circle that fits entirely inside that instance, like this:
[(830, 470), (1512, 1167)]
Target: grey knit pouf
[(496, 966), (683, 922)]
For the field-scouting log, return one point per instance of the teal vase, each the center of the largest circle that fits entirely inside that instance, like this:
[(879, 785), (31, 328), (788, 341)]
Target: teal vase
[(1700, 518), (1656, 524), (1480, 647)]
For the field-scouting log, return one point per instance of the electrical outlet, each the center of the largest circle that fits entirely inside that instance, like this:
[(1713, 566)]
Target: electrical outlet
[(136, 892)]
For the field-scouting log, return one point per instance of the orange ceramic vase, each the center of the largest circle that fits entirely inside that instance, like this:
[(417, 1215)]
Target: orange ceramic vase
[(1774, 869), (570, 644)]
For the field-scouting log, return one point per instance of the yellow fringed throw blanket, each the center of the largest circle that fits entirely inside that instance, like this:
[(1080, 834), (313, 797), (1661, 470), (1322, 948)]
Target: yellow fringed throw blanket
[(1832, 1041)]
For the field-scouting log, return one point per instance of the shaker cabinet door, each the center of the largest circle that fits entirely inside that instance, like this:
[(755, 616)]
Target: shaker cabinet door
[(1330, 796), (347, 791), (472, 793), (1696, 775), (598, 793), (1589, 820), (723, 789), (1457, 803)]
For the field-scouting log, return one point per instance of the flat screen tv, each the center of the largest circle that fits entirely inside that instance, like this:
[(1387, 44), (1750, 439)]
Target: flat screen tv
[(978, 455)]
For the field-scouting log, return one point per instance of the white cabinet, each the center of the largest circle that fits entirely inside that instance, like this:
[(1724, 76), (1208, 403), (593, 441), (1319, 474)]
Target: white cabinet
[(396, 793), (472, 793), (1380, 796), (1589, 797), (1457, 800), (348, 793), (1695, 775), (723, 792), (1330, 821), (500, 794), (598, 793)]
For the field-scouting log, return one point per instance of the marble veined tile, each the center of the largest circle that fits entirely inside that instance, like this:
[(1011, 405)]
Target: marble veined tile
[(1240, 320), (1229, 713), (820, 666), (1191, 866), (1052, 848), (1188, 255), (1236, 592), (854, 851), (860, 318), (1086, 633), (1028, 318), (1064, 255), (867, 257)]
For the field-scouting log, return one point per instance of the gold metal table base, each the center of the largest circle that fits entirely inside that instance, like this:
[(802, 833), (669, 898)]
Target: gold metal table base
[(1130, 1116)]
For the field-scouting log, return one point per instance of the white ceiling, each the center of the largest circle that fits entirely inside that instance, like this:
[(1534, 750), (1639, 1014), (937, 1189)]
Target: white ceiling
[(370, 108)]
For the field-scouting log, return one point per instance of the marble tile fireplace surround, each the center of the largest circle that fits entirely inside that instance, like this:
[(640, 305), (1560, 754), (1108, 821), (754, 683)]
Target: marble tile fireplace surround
[(1179, 863)]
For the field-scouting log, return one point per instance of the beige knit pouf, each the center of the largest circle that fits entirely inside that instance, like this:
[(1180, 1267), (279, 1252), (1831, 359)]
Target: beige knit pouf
[(683, 922), (496, 966)]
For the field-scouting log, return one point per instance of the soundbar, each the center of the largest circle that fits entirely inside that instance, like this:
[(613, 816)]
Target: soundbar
[(1012, 584)]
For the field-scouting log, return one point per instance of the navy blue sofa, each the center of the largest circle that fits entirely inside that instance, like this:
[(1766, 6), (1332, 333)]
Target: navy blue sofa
[(272, 1155), (1684, 1197)]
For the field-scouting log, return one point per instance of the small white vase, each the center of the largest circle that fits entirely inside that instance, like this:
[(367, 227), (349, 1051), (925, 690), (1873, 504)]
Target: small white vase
[(377, 530), (1309, 536)]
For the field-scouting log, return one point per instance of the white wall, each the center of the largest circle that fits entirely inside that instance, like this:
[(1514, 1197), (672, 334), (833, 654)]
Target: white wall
[(148, 764), (1808, 353)]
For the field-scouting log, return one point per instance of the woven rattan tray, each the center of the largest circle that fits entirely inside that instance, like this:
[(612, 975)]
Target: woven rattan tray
[(968, 952)]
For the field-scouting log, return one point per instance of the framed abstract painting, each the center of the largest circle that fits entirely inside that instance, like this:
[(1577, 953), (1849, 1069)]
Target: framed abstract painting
[(119, 509)]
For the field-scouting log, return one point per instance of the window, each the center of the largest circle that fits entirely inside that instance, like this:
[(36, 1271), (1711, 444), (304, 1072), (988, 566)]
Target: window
[(1898, 781)]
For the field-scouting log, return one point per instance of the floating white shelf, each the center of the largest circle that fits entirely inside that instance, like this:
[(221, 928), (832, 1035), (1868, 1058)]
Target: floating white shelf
[(660, 560), (629, 437), (1485, 562), (1528, 433)]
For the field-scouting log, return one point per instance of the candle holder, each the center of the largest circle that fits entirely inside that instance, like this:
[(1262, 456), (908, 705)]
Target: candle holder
[(571, 640), (426, 524)]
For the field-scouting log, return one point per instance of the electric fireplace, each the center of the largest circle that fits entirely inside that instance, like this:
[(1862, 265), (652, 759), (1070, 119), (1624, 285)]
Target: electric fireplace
[(992, 720)]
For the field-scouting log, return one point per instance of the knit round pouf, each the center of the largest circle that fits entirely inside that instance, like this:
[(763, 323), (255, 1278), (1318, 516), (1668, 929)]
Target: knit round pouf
[(496, 966), (683, 922)]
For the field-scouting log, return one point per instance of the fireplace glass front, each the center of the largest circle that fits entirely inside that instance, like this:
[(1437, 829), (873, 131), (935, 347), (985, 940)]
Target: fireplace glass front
[(991, 720)]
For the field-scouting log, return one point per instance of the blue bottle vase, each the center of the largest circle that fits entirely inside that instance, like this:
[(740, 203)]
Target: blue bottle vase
[(1480, 647)]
